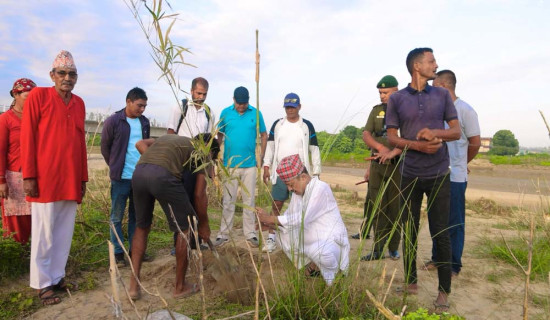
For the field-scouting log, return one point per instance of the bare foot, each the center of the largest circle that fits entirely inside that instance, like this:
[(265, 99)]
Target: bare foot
[(135, 294), (188, 290)]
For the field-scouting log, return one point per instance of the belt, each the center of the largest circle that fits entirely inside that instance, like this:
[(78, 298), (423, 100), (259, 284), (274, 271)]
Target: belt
[(391, 161)]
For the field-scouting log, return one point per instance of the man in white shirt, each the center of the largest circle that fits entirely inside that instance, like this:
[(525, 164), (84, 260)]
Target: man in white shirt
[(461, 152), (311, 231), (289, 135), (196, 116)]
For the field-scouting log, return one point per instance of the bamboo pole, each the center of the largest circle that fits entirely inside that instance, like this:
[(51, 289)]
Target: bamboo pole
[(528, 271), (545, 122), (114, 282), (381, 308), (258, 140), (259, 161)]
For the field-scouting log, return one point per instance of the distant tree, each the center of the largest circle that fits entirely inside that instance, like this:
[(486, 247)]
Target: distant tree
[(504, 143), (352, 133), (322, 137), (359, 144), (343, 144)]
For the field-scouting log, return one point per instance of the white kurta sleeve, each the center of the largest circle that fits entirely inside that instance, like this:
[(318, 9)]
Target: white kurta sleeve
[(315, 159)]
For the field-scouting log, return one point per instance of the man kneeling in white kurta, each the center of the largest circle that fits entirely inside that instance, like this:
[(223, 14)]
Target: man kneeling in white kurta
[(311, 231)]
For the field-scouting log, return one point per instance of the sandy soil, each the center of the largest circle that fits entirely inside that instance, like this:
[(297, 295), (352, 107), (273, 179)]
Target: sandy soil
[(485, 289), (507, 185)]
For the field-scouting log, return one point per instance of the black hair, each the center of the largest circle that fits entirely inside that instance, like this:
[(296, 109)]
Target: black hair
[(214, 147), (448, 77), (200, 80), (136, 94), (414, 55)]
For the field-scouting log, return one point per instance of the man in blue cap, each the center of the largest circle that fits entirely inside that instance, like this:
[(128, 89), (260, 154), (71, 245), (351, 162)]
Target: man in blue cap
[(239, 123), (289, 135)]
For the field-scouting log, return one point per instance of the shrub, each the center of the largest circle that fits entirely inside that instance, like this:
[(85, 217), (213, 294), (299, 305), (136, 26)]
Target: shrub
[(14, 259)]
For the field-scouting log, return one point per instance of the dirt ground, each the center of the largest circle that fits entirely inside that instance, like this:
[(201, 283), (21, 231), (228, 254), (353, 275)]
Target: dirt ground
[(485, 289)]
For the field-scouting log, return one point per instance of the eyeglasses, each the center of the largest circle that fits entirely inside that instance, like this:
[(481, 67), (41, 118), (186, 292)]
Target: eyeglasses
[(63, 74), (293, 100)]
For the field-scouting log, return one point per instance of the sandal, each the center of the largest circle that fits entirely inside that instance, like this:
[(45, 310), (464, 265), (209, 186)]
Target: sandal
[(312, 271), (63, 285), (440, 308), (429, 266), (50, 298)]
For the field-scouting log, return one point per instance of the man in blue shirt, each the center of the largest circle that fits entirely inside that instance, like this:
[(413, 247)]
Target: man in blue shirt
[(120, 133), (420, 111), (240, 124)]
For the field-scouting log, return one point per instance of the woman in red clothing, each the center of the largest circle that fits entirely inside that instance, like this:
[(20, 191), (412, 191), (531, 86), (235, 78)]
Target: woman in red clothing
[(16, 213)]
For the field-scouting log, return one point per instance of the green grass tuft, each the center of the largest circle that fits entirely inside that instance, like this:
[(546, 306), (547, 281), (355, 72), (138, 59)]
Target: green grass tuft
[(518, 247)]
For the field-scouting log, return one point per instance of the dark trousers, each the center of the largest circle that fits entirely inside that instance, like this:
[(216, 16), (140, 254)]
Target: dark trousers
[(438, 191), (367, 223), (151, 182), (384, 196), (189, 180)]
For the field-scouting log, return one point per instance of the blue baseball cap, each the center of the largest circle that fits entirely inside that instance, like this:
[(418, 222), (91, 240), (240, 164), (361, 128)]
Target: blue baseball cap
[(241, 95), (291, 100)]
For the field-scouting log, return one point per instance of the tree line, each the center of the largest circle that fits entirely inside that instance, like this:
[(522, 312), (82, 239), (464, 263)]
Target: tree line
[(350, 140)]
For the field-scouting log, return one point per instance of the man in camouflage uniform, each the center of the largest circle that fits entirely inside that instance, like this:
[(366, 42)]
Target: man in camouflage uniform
[(384, 178)]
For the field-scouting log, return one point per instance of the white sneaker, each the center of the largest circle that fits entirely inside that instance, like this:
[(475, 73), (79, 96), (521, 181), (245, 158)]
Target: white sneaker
[(220, 242), (269, 245)]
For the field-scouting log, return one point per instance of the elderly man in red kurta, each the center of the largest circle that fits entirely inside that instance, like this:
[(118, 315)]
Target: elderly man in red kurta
[(53, 160)]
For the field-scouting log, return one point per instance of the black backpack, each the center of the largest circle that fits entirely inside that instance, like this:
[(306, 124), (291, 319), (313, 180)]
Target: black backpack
[(184, 113)]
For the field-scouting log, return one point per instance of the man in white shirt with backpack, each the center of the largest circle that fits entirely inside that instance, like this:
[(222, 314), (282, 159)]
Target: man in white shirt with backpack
[(289, 135), (193, 118)]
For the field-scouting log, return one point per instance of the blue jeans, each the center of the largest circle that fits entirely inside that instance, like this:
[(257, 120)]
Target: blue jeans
[(121, 191), (457, 223)]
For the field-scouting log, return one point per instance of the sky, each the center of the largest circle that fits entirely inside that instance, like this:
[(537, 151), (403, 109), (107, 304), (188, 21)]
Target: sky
[(331, 53)]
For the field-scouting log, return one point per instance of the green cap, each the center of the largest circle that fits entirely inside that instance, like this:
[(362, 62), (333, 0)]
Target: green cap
[(387, 82)]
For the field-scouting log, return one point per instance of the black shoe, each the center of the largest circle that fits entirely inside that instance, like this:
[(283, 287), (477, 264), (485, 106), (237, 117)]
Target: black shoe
[(120, 261), (357, 236), (372, 256), (202, 246), (145, 258)]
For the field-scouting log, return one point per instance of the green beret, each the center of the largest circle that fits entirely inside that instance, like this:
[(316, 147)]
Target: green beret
[(387, 82)]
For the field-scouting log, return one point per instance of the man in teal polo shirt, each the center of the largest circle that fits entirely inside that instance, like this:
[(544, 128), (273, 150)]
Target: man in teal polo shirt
[(238, 123)]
